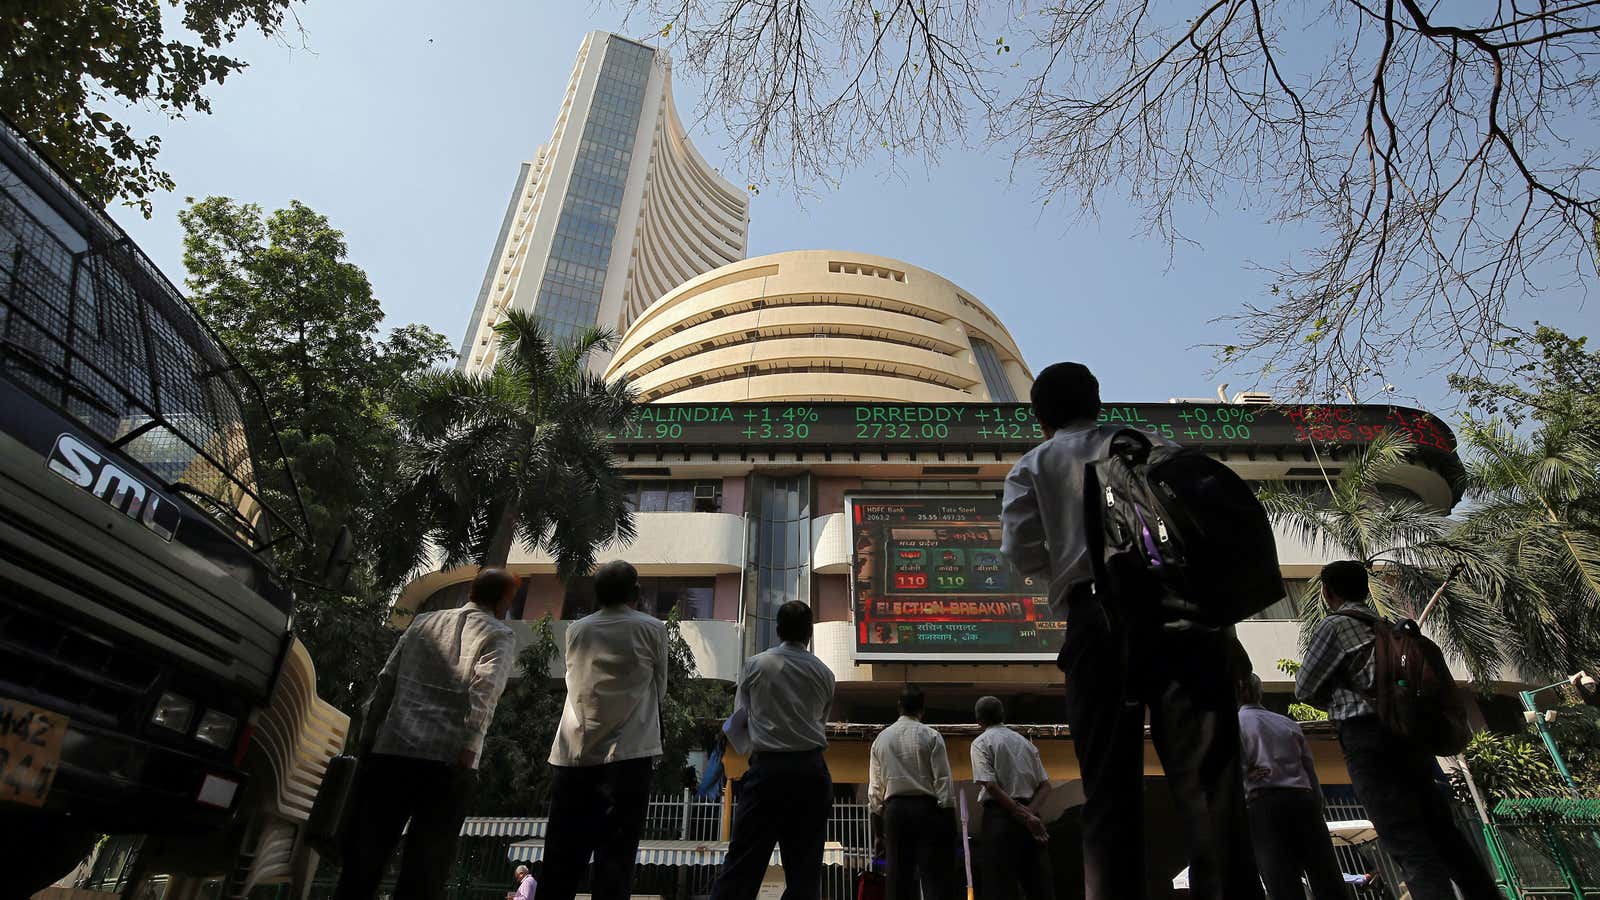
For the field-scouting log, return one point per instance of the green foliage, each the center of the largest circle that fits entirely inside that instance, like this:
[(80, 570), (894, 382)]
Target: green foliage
[(1289, 666), (516, 455), (1536, 496), (513, 772), (1576, 732), (303, 321), (1505, 766), (691, 716), (1305, 712), (1556, 381), (1407, 548), (67, 61)]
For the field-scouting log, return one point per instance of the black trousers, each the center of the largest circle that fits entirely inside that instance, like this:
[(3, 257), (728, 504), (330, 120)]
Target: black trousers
[(919, 839), (1186, 680), (389, 791), (784, 799), (596, 810), (1012, 858), (1291, 838), (1394, 781)]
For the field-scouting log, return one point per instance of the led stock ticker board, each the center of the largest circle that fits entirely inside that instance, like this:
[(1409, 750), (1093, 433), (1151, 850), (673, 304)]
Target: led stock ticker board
[(928, 582), (802, 425)]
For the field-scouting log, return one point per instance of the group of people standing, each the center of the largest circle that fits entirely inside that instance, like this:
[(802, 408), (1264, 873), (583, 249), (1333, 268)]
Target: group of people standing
[(1242, 778)]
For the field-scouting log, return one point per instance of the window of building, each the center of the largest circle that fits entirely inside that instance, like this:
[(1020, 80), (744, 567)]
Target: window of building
[(1289, 607), (675, 495), (693, 598), (994, 372)]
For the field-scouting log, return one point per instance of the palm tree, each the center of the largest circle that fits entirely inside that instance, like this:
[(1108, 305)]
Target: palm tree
[(517, 455), (1406, 547), (1537, 500)]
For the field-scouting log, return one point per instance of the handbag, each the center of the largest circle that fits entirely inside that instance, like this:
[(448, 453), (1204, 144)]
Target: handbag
[(329, 822)]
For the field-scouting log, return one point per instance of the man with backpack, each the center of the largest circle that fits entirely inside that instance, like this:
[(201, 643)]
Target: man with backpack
[(1122, 655), (1392, 773)]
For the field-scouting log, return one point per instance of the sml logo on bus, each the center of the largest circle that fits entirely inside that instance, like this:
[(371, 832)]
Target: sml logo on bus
[(82, 465)]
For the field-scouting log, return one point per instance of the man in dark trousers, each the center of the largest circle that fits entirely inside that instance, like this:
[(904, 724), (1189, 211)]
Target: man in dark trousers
[(1118, 664), (912, 798), (1393, 778), (1285, 798), (603, 756), (420, 738), (1007, 769), (785, 795)]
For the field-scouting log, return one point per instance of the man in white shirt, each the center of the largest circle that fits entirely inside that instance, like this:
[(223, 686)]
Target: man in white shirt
[(1119, 663), (785, 795), (912, 799), (420, 738), (604, 751), (525, 885), (1007, 768)]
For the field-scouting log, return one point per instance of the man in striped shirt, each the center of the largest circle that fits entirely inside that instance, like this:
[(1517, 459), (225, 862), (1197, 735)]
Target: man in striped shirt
[(420, 739), (1393, 777)]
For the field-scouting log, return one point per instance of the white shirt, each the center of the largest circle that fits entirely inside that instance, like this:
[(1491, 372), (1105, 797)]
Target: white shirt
[(526, 889), (616, 680), (1008, 761), (786, 693), (908, 758), (437, 692)]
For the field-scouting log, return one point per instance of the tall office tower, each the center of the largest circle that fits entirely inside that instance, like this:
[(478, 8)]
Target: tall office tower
[(614, 212)]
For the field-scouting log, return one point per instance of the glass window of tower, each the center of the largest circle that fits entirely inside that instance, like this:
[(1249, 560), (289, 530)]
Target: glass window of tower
[(994, 372), (569, 295)]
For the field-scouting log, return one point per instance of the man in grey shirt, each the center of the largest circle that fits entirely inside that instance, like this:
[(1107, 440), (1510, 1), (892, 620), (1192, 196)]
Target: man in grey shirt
[(420, 738), (1118, 661), (1286, 821), (785, 795), (1007, 767)]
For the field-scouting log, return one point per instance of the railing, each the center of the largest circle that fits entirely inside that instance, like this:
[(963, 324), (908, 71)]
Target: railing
[(90, 326), (482, 871)]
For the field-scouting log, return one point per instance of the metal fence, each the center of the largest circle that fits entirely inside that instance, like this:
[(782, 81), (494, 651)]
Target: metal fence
[(482, 871)]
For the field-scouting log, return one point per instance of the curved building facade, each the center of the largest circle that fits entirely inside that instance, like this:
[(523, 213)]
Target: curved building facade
[(820, 325), (613, 212), (836, 428)]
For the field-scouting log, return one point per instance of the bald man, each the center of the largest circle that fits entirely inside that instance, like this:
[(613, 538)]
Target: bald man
[(1007, 768)]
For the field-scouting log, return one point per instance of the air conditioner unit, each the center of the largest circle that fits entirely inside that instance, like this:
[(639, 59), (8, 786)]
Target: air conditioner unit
[(1253, 398), (705, 492)]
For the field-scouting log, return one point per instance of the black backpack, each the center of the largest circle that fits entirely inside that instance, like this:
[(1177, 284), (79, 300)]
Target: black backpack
[(1176, 535), (1416, 695)]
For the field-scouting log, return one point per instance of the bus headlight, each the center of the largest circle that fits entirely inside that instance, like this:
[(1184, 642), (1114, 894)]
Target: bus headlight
[(216, 729), (174, 711)]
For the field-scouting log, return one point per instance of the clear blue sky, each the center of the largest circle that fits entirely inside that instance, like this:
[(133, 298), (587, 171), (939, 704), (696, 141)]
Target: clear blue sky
[(404, 122)]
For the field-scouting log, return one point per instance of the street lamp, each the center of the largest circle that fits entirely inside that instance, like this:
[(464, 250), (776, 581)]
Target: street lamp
[(1541, 722)]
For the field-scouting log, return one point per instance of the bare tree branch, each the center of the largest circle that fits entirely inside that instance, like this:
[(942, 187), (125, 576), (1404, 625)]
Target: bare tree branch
[(1444, 155)]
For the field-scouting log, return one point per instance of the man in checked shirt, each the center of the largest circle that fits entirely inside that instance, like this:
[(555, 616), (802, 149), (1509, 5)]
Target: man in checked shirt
[(1393, 778), (420, 739)]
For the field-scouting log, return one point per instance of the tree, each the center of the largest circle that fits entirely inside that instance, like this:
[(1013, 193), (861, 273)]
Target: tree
[(66, 61), (1556, 382), (1427, 148), (513, 773), (514, 777), (1407, 548), (516, 455), (1533, 501), (1536, 494), (303, 321), (694, 709), (1507, 765)]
